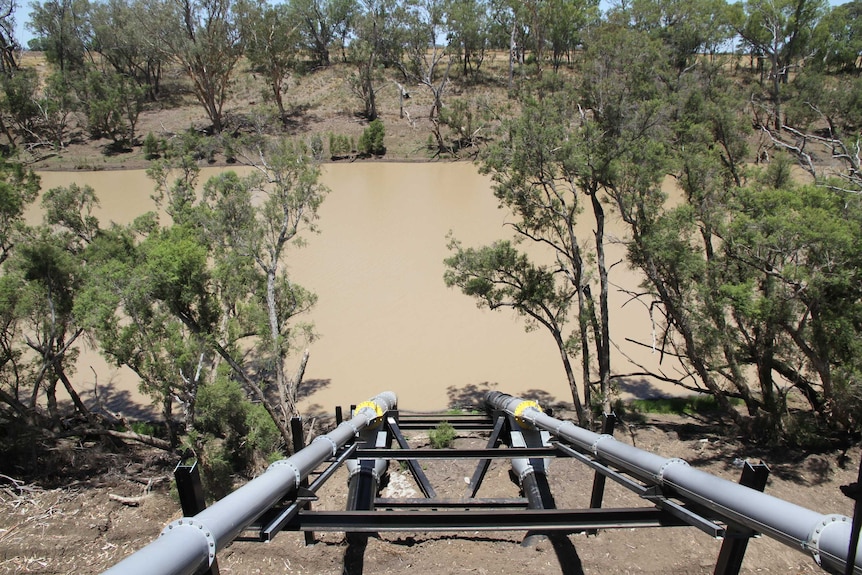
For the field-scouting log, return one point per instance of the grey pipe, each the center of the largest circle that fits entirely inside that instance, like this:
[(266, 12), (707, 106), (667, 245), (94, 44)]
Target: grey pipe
[(826, 537), (189, 543)]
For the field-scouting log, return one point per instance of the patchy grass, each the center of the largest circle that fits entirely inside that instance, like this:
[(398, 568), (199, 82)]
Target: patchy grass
[(700, 404)]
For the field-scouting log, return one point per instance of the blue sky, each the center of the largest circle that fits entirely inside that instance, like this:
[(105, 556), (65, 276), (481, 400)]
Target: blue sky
[(23, 15)]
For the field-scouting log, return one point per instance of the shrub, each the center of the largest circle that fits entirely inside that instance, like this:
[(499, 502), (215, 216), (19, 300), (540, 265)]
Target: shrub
[(371, 141), (316, 147), (340, 146), (442, 436), (151, 147)]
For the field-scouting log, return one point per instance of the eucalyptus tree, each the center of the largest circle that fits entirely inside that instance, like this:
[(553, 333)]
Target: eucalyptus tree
[(9, 46), (64, 28), (204, 37), (221, 269), (381, 38), (322, 22), (468, 24), (41, 282), (838, 38), (272, 44), (688, 28), (121, 37), (782, 31), (566, 22)]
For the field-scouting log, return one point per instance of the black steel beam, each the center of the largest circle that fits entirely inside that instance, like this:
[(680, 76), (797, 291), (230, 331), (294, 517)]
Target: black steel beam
[(484, 463), (480, 453), (735, 544), (415, 469), (472, 503), (564, 520)]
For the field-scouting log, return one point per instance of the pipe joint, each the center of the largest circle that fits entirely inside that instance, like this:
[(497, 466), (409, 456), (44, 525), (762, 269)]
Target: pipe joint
[(359, 469), (197, 527), (289, 464), (330, 440), (818, 532), (668, 463), (523, 410), (595, 446)]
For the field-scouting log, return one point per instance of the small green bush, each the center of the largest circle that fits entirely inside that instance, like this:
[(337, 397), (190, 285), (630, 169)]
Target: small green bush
[(143, 428), (316, 144), (151, 147), (371, 141), (340, 146), (442, 436)]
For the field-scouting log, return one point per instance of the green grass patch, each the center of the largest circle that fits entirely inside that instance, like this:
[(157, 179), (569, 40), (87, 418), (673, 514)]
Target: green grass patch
[(692, 404), (442, 436)]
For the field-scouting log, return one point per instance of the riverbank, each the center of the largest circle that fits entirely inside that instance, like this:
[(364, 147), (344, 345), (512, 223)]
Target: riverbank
[(321, 102)]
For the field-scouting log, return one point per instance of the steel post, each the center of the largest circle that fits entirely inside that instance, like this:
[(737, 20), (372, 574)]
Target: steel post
[(826, 537), (190, 543)]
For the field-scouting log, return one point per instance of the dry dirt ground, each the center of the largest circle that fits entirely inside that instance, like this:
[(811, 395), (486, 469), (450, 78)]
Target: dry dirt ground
[(80, 528), (320, 102)]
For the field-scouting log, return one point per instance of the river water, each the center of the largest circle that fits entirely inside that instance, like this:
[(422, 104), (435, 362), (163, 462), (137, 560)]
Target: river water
[(385, 319)]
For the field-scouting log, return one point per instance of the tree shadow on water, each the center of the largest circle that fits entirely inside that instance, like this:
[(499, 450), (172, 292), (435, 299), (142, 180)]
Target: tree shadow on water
[(311, 386)]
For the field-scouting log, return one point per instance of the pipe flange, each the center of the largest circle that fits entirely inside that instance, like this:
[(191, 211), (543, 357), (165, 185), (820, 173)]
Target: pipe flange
[(813, 543), (378, 411), (287, 463), (525, 472), (524, 406), (359, 469), (349, 423), (330, 440), (595, 446), (188, 522), (668, 463), (562, 425)]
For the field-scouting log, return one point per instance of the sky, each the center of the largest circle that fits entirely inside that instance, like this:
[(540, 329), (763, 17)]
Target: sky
[(23, 15)]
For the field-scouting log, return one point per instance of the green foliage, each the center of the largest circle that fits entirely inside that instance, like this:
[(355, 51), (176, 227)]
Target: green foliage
[(340, 146), (693, 404), (316, 146), (442, 436), (371, 141), (152, 147), (112, 104)]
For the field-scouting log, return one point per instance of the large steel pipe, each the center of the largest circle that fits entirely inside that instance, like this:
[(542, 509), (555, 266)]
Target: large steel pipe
[(188, 544), (826, 537)]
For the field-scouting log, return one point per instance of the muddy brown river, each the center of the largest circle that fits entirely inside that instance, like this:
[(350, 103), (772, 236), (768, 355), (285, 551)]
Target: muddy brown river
[(385, 319)]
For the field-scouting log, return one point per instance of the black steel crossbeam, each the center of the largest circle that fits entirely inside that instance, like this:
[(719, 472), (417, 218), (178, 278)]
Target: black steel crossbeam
[(415, 469), (276, 518), (425, 453), (478, 422), (569, 521), (471, 503), (483, 464)]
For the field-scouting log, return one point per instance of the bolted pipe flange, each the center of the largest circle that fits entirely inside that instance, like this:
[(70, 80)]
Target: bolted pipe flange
[(189, 523), (813, 543), (330, 440), (378, 412), (524, 406), (668, 463), (287, 463)]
